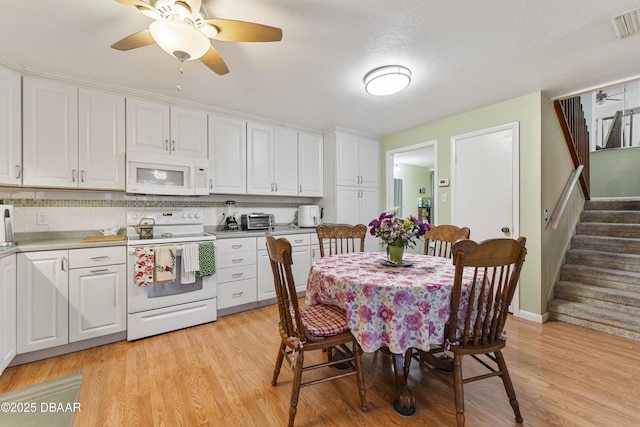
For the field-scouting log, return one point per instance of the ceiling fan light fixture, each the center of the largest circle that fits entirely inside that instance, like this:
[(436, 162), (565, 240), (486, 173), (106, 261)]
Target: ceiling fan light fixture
[(179, 39), (387, 80)]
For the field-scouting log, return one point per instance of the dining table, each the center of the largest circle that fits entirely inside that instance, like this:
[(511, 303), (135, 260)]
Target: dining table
[(389, 307)]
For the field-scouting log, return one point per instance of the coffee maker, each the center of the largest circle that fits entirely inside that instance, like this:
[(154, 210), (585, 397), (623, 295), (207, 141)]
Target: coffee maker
[(231, 223)]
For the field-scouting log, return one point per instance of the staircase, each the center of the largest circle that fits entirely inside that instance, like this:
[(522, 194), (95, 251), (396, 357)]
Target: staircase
[(599, 285)]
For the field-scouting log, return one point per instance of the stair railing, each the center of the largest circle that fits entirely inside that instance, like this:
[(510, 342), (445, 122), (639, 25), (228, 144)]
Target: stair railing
[(576, 134), (564, 199)]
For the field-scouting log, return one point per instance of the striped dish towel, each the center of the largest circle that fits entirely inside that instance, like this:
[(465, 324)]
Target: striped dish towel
[(190, 263)]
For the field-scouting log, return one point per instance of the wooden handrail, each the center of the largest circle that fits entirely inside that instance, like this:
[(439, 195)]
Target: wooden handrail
[(564, 199), (576, 134)]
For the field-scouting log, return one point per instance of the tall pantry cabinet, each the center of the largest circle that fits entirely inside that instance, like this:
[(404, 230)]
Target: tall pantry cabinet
[(351, 180), (10, 128)]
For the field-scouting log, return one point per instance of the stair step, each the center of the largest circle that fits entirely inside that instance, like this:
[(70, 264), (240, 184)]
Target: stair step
[(633, 205), (624, 262), (606, 244), (600, 319), (609, 298), (620, 217), (603, 277), (608, 229)]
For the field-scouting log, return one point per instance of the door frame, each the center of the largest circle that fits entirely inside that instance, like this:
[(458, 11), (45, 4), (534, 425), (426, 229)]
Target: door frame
[(515, 179), (389, 172)]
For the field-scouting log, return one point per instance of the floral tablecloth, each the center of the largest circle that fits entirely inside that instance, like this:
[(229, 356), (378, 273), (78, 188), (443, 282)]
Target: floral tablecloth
[(394, 307)]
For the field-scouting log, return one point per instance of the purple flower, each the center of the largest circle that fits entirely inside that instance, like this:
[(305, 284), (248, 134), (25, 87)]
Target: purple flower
[(413, 321)]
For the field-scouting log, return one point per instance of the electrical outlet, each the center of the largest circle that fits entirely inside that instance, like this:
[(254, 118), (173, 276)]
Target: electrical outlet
[(42, 218)]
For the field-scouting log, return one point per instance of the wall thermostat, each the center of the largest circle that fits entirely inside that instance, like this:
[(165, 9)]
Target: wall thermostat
[(444, 182)]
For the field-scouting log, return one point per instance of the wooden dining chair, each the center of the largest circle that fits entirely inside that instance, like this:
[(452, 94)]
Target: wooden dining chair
[(306, 329), (476, 328), (341, 238), (442, 237)]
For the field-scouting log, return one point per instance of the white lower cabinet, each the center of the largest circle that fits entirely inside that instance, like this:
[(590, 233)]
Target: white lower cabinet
[(69, 295), (97, 293), (236, 271), (7, 310), (301, 257)]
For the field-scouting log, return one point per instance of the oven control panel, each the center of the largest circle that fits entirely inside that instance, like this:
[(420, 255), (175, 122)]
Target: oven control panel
[(167, 217)]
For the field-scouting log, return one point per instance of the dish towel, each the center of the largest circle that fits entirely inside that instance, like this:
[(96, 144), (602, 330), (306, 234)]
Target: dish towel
[(144, 265), (207, 255), (165, 263), (190, 263)]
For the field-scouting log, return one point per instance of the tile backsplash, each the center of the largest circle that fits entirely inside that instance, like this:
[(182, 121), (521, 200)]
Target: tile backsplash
[(66, 210)]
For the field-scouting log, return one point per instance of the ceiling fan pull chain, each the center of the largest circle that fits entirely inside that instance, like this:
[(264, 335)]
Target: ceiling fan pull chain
[(180, 73)]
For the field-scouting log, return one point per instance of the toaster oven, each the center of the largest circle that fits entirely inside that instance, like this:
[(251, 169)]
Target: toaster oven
[(257, 221)]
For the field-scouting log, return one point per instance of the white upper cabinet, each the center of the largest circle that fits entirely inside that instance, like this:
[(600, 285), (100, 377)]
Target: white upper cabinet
[(272, 160), (10, 128), (227, 155), (310, 170), (157, 128), (50, 130), (189, 133), (357, 160), (101, 147)]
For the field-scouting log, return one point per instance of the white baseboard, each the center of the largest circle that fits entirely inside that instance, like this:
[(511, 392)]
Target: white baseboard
[(534, 317)]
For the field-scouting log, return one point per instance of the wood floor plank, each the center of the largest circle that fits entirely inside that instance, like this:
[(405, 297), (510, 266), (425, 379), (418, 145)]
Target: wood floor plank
[(219, 374)]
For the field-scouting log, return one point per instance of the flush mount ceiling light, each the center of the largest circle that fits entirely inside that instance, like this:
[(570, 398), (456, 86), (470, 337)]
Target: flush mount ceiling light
[(387, 80)]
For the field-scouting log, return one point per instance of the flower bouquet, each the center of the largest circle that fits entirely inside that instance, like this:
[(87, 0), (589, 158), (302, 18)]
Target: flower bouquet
[(397, 233)]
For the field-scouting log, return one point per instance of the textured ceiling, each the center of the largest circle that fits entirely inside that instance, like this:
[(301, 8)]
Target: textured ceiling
[(463, 55)]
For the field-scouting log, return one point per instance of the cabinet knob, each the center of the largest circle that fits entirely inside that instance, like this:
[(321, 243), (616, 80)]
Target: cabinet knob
[(505, 229)]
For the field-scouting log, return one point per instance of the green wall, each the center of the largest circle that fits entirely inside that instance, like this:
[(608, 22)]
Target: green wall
[(615, 172), (528, 111)]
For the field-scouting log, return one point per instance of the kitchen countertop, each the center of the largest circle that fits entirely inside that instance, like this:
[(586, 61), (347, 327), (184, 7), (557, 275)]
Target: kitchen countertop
[(54, 240)]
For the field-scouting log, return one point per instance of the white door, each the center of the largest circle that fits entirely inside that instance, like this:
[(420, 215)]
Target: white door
[(310, 172), (189, 133), (101, 140), (485, 184), (7, 310), (285, 162), (148, 126), (10, 128), (260, 159), (227, 155), (43, 317)]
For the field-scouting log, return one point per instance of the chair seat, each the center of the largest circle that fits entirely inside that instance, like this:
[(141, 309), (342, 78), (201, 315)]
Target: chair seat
[(323, 320)]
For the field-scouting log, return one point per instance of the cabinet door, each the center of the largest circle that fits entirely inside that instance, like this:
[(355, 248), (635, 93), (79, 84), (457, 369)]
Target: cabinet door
[(10, 128), (347, 205), (147, 127), (97, 301), (42, 309), (347, 160), (266, 288), (285, 162), (370, 209), (50, 130), (310, 165), (189, 133), (7, 310), (227, 155), (260, 159), (369, 162), (101, 140), (301, 257)]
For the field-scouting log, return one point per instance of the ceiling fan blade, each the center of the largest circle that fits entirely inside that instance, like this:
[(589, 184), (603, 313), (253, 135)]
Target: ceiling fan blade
[(143, 38), (242, 31), (214, 61), (138, 5)]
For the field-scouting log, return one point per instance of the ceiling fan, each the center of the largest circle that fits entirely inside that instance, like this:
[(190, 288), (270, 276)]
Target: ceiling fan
[(182, 29), (602, 96)]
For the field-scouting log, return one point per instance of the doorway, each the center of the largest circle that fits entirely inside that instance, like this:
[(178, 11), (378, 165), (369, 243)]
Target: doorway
[(410, 173)]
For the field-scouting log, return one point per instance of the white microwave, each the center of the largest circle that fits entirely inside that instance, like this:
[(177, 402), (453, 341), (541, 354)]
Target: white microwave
[(168, 175)]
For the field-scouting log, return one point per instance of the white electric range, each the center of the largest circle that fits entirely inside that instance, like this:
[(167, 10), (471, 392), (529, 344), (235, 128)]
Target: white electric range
[(155, 308)]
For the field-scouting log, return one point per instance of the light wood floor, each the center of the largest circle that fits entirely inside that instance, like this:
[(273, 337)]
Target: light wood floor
[(219, 374)]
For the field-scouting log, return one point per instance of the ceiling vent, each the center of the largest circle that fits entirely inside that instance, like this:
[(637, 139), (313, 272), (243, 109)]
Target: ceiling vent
[(627, 24)]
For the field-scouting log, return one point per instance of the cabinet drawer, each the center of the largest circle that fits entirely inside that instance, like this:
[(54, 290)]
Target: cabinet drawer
[(232, 274), (301, 239), (237, 293), (90, 257), (235, 259), (236, 245)]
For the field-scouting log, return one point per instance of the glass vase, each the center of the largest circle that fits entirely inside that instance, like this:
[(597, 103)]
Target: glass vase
[(395, 253)]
